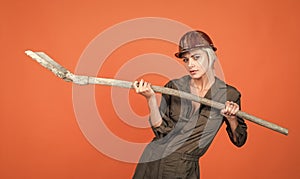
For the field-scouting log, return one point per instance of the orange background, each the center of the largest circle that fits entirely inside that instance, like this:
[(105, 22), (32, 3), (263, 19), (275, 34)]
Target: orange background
[(258, 47)]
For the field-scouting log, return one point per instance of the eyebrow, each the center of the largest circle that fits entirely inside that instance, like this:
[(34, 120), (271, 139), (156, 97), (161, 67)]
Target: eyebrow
[(195, 54), (191, 54)]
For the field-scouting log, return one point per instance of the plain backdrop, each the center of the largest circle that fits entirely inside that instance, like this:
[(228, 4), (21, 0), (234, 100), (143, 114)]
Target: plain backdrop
[(258, 48)]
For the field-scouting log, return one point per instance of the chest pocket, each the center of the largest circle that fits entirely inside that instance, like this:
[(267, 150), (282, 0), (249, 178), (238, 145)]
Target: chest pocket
[(178, 108), (208, 116), (211, 113)]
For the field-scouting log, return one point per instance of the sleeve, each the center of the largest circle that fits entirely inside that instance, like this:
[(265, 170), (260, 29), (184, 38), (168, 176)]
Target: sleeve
[(241, 130), (168, 122)]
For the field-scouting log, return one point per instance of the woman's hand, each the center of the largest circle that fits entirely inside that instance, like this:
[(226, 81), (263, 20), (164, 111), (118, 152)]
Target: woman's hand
[(230, 110), (143, 88)]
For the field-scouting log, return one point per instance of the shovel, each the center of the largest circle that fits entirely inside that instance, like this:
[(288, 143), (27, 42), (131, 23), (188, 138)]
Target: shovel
[(61, 72)]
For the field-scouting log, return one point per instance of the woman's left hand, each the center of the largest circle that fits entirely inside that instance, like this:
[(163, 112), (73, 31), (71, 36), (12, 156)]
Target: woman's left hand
[(230, 110)]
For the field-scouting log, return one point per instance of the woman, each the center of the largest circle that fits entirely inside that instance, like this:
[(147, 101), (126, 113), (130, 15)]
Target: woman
[(184, 129)]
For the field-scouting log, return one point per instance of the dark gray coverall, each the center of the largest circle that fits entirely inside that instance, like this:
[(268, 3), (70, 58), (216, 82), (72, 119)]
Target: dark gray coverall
[(186, 133)]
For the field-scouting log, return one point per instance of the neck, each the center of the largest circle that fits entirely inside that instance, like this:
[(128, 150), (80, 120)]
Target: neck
[(205, 82)]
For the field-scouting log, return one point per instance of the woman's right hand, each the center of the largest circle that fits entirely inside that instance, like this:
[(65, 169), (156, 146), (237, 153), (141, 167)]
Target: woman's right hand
[(143, 88)]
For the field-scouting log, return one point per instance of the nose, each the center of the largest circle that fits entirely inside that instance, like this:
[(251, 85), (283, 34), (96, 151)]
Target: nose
[(191, 63)]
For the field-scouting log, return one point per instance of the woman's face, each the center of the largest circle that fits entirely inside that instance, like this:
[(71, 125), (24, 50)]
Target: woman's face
[(196, 63)]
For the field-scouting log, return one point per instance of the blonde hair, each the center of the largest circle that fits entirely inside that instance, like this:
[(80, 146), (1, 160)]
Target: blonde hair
[(212, 57)]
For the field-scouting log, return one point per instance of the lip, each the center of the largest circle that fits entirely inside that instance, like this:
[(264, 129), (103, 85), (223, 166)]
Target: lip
[(193, 72)]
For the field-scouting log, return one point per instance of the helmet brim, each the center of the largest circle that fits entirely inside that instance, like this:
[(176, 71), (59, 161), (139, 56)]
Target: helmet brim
[(180, 53)]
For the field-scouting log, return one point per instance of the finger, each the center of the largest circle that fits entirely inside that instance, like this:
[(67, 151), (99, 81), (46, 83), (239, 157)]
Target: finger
[(223, 111), (135, 84), (232, 109), (228, 107), (149, 86), (235, 111), (235, 108), (145, 86), (138, 90), (141, 83)]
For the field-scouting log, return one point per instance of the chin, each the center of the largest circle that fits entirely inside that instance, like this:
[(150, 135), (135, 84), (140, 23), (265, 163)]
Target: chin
[(196, 77)]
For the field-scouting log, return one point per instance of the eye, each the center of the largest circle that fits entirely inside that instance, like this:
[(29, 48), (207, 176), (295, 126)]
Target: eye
[(185, 60), (196, 57)]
